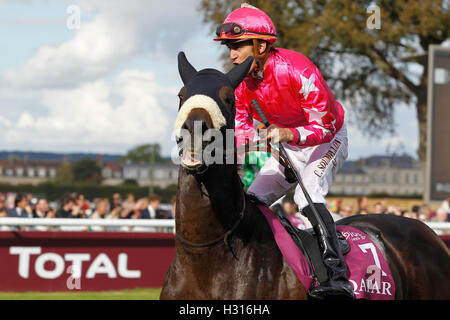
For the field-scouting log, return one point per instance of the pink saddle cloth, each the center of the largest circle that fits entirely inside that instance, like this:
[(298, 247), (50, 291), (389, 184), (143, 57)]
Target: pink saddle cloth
[(367, 268)]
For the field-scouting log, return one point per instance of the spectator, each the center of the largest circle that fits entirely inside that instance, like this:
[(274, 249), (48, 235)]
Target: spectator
[(41, 209), (10, 201), (153, 204), (338, 206), (116, 201), (415, 212), (363, 205), (363, 211), (294, 216), (396, 210), (141, 210), (21, 208), (115, 213), (83, 204), (442, 215), (51, 214), (446, 205), (128, 207), (69, 209), (101, 209), (383, 204), (173, 202), (129, 199), (67, 203), (378, 208), (3, 212), (332, 210), (347, 211), (427, 213)]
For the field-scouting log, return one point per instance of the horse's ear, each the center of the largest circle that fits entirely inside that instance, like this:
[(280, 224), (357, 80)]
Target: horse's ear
[(186, 70), (238, 73)]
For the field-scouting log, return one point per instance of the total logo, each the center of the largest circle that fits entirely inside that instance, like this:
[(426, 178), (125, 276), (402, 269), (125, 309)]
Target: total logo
[(101, 264)]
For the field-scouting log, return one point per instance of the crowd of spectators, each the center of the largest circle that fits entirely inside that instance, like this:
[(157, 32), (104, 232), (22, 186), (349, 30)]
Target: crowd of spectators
[(23, 205), (77, 206), (338, 211)]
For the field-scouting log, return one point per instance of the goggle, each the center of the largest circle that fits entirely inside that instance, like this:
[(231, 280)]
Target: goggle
[(235, 30)]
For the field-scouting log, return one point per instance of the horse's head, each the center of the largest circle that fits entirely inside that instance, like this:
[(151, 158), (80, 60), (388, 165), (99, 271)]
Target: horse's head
[(206, 111)]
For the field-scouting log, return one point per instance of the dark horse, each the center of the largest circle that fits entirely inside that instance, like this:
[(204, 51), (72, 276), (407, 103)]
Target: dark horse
[(224, 246)]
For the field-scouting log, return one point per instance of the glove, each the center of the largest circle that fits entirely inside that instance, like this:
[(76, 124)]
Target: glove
[(289, 175)]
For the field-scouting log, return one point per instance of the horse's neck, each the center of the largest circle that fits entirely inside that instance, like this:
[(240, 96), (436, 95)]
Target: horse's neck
[(207, 205)]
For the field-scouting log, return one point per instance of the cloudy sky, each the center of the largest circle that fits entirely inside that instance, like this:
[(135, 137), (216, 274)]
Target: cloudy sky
[(112, 83)]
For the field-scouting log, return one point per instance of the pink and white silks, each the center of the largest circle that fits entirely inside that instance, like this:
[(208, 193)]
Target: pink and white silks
[(293, 94)]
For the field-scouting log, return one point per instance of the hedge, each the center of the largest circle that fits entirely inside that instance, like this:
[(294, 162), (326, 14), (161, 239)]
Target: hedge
[(53, 192)]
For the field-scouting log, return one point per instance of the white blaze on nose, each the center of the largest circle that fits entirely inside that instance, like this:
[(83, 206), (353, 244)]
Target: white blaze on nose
[(200, 101)]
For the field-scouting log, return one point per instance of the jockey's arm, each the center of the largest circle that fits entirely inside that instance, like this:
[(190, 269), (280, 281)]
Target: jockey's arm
[(315, 100)]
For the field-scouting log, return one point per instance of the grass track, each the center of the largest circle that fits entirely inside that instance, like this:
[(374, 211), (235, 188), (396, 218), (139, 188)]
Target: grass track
[(134, 294)]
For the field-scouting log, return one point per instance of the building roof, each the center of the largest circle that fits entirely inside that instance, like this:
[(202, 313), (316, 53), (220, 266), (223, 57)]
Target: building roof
[(351, 170), (28, 163), (395, 161)]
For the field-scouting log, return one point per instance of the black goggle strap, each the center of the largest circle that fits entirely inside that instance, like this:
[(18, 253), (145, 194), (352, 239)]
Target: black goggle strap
[(237, 30)]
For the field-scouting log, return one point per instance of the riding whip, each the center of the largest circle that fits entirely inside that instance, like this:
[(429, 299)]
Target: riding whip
[(290, 166)]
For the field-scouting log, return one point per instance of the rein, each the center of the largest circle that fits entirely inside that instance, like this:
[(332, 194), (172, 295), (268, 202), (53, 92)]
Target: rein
[(223, 237)]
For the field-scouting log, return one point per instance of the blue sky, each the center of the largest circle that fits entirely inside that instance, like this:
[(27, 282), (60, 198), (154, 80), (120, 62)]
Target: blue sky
[(111, 84)]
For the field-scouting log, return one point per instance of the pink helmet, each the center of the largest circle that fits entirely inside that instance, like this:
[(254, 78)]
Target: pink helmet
[(247, 23)]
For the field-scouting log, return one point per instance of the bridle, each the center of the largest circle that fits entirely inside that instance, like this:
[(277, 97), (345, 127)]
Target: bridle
[(225, 236)]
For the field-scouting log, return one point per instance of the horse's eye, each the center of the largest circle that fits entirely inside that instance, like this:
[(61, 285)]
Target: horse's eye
[(227, 96), (181, 95)]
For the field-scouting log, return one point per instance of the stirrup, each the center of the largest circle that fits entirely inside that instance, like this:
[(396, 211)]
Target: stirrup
[(327, 291)]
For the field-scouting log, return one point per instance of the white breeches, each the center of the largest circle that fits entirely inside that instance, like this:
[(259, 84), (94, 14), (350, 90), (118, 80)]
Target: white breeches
[(316, 166)]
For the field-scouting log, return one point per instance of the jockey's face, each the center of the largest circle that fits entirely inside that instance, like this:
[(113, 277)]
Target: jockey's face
[(239, 51)]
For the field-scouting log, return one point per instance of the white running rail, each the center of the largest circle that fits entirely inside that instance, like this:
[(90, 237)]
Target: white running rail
[(438, 227), (88, 222)]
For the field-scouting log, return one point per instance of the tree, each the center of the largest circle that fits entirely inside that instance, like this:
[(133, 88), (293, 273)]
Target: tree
[(87, 170), (64, 174), (372, 70), (143, 153)]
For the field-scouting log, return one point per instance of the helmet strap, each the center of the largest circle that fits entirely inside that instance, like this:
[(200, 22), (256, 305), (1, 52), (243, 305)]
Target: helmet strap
[(260, 60)]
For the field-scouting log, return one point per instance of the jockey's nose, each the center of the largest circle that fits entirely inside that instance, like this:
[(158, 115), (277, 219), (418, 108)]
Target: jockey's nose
[(233, 55)]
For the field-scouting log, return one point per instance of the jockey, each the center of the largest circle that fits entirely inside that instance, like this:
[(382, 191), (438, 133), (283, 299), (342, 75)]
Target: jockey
[(304, 116)]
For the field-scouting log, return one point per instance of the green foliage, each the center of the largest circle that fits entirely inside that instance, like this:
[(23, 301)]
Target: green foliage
[(87, 170), (131, 182), (369, 70), (64, 174), (144, 154), (131, 294)]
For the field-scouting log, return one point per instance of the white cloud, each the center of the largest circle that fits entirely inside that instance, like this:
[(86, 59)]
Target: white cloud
[(80, 95), (119, 30), (97, 115)]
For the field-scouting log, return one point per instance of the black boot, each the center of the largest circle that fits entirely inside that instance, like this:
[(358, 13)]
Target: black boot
[(337, 286)]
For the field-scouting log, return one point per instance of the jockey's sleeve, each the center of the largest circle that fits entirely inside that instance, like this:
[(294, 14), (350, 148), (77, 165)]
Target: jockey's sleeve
[(243, 121), (316, 100)]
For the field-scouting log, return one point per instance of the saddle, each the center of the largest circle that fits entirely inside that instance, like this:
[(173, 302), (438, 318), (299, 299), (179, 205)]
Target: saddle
[(306, 241), (367, 267)]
